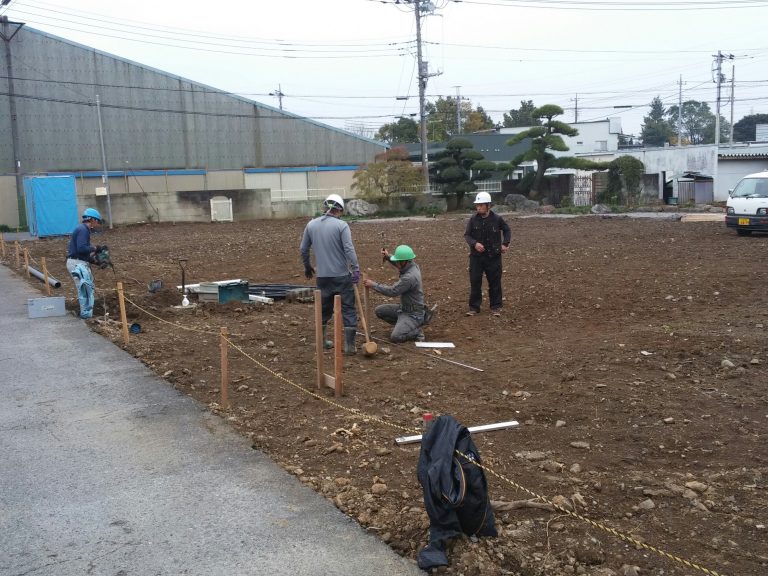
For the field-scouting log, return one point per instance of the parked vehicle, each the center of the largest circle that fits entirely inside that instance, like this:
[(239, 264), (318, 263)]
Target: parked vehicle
[(747, 206)]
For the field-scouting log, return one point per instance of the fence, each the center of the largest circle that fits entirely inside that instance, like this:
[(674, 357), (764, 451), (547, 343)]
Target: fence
[(302, 194)]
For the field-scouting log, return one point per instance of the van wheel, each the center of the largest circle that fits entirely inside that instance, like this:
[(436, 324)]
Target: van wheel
[(744, 232)]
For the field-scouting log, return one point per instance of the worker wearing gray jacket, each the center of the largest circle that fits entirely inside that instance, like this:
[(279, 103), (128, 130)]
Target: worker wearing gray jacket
[(410, 315), (335, 255)]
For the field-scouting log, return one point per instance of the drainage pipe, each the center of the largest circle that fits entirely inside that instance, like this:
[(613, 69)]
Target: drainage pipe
[(40, 276)]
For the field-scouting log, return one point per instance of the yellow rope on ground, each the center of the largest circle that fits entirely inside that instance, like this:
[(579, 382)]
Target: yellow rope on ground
[(591, 522), (279, 376), (147, 312), (361, 414)]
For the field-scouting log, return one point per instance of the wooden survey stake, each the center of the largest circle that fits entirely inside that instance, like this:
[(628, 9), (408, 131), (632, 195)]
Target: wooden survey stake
[(224, 368), (123, 318)]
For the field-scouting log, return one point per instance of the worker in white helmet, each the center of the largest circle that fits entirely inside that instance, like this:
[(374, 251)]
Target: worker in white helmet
[(488, 237), (336, 265)]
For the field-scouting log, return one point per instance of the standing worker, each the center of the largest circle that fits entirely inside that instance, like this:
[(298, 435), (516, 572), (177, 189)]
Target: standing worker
[(80, 254), (488, 237), (411, 314), (334, 256)]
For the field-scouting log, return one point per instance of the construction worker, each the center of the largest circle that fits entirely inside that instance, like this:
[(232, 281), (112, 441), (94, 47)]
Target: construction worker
[(79, 256), (411, 314), (488, 237), (337, 266)]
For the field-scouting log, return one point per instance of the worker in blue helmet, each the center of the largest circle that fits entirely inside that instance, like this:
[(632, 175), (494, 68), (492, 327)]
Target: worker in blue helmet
[(80, 254)]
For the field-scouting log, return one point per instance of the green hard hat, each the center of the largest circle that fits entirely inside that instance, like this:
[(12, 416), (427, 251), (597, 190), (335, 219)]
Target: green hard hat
[(402, 253)]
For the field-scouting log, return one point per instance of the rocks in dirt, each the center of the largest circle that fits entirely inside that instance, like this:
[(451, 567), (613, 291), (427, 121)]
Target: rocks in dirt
[(697, 486), (335, 447), (575, 468), (727, 364), (559, 423), (580, 444), (533, 456), (552, 466), (562, 502), (629, 570), (379, 489), (647, 504)]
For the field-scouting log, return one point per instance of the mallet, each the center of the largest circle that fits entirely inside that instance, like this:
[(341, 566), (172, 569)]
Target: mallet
[(369, 348)]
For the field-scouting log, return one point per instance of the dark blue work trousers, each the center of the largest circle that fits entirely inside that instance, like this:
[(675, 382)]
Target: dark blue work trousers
[(480, 265), (329, 287)]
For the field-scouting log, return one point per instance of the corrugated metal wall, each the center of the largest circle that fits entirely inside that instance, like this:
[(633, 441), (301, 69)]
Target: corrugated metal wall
[(151, 120)]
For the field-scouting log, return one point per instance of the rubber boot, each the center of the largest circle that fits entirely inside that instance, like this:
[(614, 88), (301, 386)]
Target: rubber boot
[(327, 344), (349, 341)]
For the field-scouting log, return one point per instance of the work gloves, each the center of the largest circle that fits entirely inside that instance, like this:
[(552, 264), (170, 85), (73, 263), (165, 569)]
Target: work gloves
[(308, 271), (355, 276)]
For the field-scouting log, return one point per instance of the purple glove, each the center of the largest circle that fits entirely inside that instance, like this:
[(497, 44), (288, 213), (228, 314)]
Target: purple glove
[(355, 276)]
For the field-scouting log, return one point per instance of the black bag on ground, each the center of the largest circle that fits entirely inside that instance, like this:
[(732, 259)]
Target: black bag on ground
[(455, 489)]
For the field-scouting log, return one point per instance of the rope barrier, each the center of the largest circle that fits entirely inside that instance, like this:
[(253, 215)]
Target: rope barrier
[(359, 413)]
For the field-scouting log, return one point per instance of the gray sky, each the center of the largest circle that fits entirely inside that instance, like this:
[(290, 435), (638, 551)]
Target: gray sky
[(345, 62)]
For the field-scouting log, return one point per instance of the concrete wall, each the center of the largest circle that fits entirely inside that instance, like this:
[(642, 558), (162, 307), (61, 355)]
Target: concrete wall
[(731, 171), (9, 207)]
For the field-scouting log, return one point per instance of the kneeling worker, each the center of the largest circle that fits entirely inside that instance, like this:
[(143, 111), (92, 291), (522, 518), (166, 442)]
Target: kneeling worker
[(410, 315)]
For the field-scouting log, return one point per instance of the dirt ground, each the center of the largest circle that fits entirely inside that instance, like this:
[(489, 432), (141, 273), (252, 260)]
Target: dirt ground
[(632, 352)]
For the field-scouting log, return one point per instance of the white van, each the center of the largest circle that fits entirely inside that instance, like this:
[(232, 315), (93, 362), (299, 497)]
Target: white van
[(747, 206)]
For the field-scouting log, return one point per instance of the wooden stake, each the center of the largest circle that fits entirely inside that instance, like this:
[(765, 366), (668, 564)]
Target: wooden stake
[(26, 262), (123, 318), (45, 274), (2, 243), (224, 368), (18, 255), (319, 338), (338, 346)]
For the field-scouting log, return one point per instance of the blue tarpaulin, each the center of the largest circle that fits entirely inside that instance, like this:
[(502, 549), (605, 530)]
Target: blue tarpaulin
[(51, 205)]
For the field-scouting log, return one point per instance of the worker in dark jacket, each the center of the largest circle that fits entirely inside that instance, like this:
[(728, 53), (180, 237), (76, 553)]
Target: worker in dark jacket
[(455, 489), (80, 254), (488, 237)]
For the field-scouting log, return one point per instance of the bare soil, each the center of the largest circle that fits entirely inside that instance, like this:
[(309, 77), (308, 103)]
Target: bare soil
[(632, 352)]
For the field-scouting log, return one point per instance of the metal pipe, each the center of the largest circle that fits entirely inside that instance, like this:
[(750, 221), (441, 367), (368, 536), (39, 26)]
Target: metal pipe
[(40, 276), (472, 429)]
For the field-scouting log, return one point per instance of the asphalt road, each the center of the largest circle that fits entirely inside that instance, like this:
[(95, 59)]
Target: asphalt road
[(107, 470)]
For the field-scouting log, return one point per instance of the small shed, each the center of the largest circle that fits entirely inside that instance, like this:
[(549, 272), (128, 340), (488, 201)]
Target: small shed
[(695, 187)]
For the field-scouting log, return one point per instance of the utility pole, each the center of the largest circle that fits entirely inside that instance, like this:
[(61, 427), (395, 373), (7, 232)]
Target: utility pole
[(279, 94), (423, 76), (105, 173), (458, 110), (576, 110), (680, 112), (719, 57), (7, 36), (733, 99)]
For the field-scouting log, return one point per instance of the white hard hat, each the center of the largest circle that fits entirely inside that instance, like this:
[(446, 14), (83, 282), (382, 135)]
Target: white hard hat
[(334, 201), (482, 198)]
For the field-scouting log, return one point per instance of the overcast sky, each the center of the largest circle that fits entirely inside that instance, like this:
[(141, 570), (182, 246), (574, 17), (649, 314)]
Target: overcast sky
[(350, 63)]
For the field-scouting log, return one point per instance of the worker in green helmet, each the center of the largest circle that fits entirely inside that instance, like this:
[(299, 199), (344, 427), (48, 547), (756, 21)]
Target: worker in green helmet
[(411, 314)]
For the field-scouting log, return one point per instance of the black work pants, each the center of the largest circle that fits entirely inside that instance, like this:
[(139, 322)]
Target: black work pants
[(490, 267), (342, 285)]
